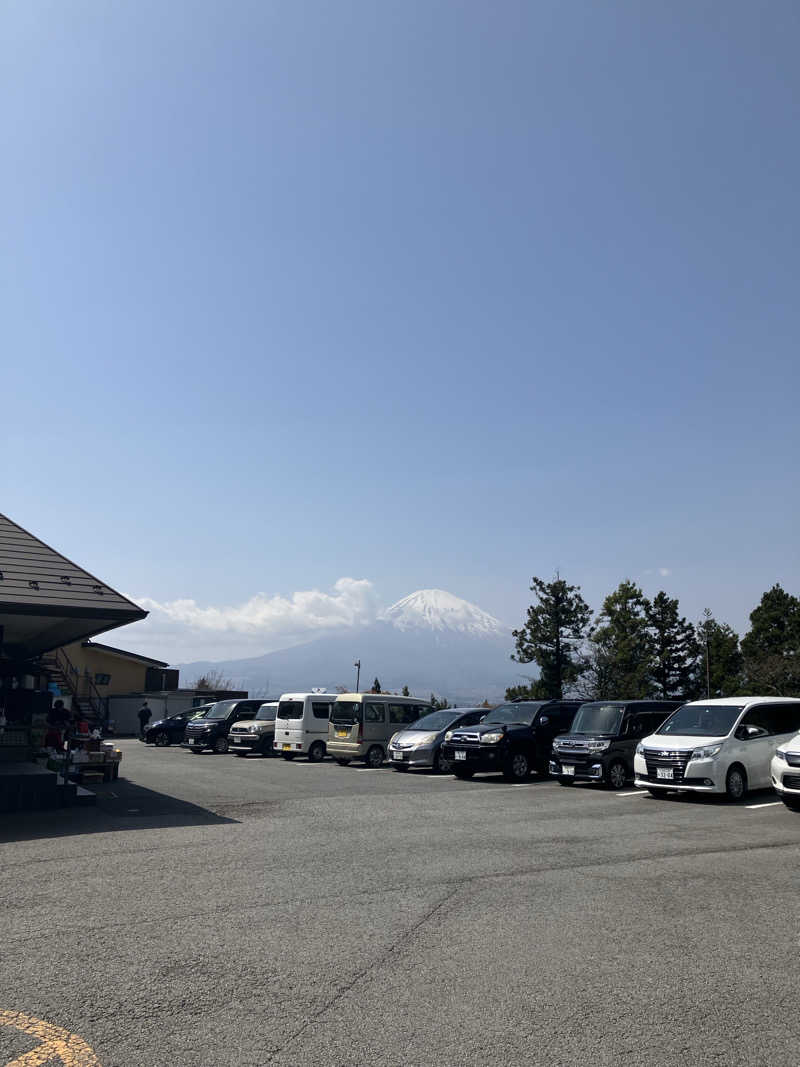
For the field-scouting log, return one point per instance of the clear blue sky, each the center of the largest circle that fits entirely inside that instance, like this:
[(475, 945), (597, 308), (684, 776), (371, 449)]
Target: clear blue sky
[(427, 293)]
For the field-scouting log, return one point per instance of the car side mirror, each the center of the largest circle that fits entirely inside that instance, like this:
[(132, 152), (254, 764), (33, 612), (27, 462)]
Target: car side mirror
[(544, 720)]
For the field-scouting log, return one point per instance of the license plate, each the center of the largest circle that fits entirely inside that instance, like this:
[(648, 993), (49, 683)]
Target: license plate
[(664, 772), (287, 748), (397, 756), (191, 740), (342, 733), (460, 754), (566, 769)]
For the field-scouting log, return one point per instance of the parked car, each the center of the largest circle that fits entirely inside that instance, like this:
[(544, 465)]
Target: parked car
[(362, 723), (515, 738), (170, 731), (785, 773), (602, 740), (256, 734), (211, 730), (301, 727), (420, 744), (717, 746)]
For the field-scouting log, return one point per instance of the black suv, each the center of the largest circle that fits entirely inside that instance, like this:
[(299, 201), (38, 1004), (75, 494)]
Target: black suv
[(514, 738), (602, 740), (211, 731)]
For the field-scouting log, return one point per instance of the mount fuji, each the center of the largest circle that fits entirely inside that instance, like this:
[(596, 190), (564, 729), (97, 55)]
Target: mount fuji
[(431, 641)]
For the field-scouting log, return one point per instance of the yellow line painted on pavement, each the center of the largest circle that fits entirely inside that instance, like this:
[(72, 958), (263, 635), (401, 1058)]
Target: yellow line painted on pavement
[(56, 1044)]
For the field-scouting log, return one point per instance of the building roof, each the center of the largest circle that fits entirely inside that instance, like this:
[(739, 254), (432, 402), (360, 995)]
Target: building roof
[(46, 600), (127, 655)]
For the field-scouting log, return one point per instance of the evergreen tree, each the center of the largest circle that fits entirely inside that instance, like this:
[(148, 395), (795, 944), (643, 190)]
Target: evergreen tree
[(620, 659), (675, 649), (772, 647), (536, 690), (405, 691), (376, 686), (719, 668), (552, 634)]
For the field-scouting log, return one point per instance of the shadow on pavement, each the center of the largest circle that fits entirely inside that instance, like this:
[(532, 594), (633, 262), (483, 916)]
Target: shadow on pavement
[(121, 805)]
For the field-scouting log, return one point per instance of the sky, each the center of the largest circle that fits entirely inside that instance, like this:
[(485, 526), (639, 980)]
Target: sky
[(306, 306)]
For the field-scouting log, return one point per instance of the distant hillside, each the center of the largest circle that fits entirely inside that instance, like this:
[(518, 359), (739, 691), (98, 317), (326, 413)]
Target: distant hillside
[(430, 641)]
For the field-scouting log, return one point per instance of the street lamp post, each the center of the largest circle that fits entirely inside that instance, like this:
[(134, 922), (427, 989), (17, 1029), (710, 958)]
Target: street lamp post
[(357, 665)]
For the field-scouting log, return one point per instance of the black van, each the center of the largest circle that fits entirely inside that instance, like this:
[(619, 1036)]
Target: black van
[(602, 740), (211, 731), (514, 738)]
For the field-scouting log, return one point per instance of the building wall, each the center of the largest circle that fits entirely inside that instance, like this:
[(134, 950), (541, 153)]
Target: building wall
[(127, 675)]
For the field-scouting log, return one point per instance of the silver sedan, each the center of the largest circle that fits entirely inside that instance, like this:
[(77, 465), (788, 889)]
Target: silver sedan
[(419, 744)]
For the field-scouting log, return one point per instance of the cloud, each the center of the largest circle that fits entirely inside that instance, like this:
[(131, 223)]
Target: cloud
[(182, 630), (665, 572)]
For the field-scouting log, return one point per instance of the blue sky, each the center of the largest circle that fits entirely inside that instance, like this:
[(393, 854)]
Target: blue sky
[(418, 293)]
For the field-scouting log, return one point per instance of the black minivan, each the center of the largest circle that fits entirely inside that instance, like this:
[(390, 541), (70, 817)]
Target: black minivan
[(602, 740), (211, 731)]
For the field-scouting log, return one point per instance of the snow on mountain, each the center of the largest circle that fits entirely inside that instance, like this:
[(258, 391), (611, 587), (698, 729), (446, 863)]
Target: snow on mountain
[(436, 609)]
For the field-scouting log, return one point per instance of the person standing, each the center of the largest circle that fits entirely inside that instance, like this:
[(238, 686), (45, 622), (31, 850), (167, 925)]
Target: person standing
[(144, 718)]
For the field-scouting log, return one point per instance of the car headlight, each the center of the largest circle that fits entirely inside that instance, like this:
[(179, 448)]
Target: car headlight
[(493, 737), (448, 735), (781, 753), (707, 752), (598, 746), (640, 749)]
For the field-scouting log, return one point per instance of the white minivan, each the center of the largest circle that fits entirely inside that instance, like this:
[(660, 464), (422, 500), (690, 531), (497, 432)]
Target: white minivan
[(301, 725), (716, 746), (785, 772)]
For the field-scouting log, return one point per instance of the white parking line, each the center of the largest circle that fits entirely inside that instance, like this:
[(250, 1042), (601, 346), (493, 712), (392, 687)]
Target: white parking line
[(769, 804), (635, 793)]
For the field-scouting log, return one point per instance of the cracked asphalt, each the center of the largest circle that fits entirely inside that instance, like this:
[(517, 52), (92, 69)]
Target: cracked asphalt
[(212, 911)]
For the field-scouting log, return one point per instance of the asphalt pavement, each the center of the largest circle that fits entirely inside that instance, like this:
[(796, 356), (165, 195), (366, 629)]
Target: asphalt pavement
[(213, 911)]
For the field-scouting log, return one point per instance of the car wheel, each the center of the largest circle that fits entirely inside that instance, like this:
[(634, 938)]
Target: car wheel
[(342, 762), (289, 756), (374, 757), (566, 781), (316, 753), (736, 783), (617, 775), (792, 803), (517, 767), (221, 746), (161, 739), (463, 772), (441, 764)]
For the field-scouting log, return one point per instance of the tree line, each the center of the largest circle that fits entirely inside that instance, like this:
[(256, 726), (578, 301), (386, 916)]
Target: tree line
[(635, 648)]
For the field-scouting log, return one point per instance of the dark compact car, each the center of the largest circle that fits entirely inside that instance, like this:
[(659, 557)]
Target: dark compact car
[(170, 731), (513, 738), (211, 731), (602, 740)]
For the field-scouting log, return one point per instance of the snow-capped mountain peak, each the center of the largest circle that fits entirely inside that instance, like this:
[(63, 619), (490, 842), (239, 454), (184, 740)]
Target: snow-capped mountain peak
[(435, 609)]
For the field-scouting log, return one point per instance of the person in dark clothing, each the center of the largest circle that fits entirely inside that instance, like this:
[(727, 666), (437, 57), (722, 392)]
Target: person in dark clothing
[(144, 719)]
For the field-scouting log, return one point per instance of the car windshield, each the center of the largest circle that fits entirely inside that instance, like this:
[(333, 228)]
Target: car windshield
[(701, 720), (266, 711), (220, 710), (290, 709), (598, 719), (436, 720), (522, 713), (346, 711)]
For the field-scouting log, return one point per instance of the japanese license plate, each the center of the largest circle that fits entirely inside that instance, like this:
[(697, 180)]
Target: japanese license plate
[(342, 733), (287, 748), (664, 772), (397, 756), (460, 753), (567, 769)]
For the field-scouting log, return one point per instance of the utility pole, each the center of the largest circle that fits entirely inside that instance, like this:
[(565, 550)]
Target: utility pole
[(357, 664)]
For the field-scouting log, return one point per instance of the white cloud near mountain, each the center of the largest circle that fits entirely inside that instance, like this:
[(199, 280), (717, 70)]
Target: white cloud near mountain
[(178, 630)]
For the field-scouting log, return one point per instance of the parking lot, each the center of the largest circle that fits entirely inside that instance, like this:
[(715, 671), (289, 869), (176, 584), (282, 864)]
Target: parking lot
[(215, 911)]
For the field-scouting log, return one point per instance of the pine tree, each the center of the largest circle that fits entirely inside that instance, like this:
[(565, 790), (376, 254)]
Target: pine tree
[(376, 686), (405, 691), (552, 634), (620, 659), (720, 667), (772, 647), (675, 649)]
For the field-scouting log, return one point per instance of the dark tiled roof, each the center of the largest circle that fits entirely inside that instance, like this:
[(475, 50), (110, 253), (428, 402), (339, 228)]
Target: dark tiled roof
[(35, 579)]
